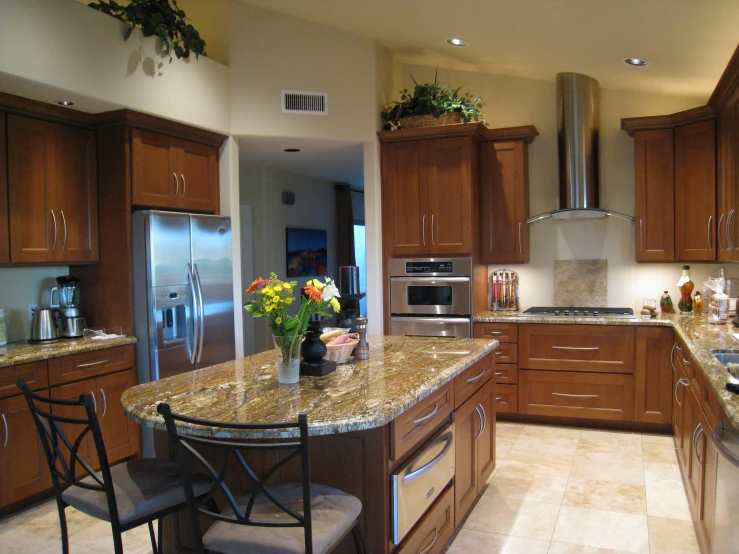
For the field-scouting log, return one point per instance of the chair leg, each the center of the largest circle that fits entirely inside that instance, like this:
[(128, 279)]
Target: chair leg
[(153, 537), (360, 540), (117, 539), (63, 527)]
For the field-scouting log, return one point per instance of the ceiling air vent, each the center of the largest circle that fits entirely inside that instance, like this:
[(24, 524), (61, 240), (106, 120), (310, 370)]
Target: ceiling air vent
[(301, 101)]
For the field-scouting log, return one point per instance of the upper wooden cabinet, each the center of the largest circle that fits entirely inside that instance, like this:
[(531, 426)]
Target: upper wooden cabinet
[(430, 191), (52, 192), (174, 173), (4, 224), (728, 180)]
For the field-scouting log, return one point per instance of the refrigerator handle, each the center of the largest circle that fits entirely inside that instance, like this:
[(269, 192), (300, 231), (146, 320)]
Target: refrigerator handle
[(201, 314), (195, 326)]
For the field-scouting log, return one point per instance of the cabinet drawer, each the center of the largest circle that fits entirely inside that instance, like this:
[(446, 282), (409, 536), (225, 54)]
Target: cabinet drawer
[(506, 353), (471, 379), (504, 332), (435, 528), (418, 422), (35, 374), (506, 398), (577, 394), (90, 364), (592, 348), (506, 373)]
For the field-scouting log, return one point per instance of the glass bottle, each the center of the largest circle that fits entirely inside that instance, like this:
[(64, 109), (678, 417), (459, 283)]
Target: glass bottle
[(665, 304), (685, 305), (697, 303)]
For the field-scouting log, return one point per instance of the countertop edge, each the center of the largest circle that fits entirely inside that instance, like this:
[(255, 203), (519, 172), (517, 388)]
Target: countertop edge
[(29, 353)]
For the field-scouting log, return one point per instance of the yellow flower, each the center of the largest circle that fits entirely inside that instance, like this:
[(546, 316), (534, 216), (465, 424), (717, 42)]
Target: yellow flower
[(287, 286), (267, 291), (278, 320), (289, 300), (278, 288), (335, 305), (269, 308)]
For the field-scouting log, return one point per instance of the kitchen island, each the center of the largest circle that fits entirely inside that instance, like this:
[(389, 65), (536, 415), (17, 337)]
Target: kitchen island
[(367, 420)]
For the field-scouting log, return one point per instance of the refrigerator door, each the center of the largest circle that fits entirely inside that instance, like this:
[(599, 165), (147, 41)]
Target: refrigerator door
[(212, 267), (169, 240)]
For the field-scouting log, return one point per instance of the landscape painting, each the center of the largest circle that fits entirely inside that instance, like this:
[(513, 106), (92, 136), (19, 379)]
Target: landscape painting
[(307, 252)]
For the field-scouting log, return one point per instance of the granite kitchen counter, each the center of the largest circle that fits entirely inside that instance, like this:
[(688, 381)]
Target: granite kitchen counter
[(488, 316), (357, 396), (22, 352)]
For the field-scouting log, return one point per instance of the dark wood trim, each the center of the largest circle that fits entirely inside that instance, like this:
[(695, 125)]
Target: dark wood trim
[(651, 123), (42, 110), (726, 85), (160, 125), (589, 423), (438, 132), (526, 133)]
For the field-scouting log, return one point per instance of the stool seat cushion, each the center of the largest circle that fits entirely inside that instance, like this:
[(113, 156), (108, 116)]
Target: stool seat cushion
[(142, 488), (333, 514)]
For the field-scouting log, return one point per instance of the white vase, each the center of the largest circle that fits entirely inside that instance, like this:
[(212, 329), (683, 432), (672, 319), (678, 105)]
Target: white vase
[(288, 373)]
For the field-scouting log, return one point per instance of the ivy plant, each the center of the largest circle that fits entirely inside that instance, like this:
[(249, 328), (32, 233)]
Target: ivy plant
[(161, 18)]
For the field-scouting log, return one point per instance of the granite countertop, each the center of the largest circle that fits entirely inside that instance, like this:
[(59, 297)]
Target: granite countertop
[(22, 352), (361, 395), (488, 316)]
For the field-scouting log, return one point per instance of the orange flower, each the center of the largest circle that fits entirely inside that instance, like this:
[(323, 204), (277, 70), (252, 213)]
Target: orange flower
[(258, 281), (312, 293)]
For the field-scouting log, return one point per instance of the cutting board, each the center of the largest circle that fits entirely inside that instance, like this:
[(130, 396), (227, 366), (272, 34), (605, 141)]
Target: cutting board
[(581, 283)]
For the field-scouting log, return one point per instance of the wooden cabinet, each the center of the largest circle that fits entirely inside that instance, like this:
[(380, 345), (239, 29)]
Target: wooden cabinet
[(655, 193), (173, 173), (52, 192), (72, 392), (653, 375), (502, 332), (728, 195), (435, 528), (4, 217), (430, 191), (121, 435), (506, 358)]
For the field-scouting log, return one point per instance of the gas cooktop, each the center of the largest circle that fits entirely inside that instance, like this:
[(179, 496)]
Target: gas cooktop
[(579, 312)]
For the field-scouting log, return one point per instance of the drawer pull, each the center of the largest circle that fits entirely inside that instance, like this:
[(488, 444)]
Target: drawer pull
[(482, 428), (472, 380), (7, 433), (497, 374), (499, 399), (426, 418), (493, 333), (685, 361), (94, 401), (105, 402), (576, 347), (436, 534), (672, 356), (680, 382), (575, 395), (101, 362), (437, 458), (484, 419)]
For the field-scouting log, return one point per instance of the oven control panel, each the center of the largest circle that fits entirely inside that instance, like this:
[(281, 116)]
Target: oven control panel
[(429, 267)]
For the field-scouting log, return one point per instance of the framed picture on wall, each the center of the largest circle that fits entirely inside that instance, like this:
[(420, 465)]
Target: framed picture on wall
[(307, 252)]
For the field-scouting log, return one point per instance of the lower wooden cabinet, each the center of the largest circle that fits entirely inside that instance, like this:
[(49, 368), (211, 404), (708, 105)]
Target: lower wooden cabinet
[(506, 398), (434, 530), (653, 375)]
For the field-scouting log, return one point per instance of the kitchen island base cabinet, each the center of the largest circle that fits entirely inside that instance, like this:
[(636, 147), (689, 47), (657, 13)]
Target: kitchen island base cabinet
[(434, 530)]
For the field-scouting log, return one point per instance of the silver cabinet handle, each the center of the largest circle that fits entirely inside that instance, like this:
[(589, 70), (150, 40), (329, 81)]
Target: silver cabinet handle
[(678, 347), (439, 456), (672, 356), (427, 417), (728, 229), (684, 383), (575, 395), (479, 414), (718, 232), (101, 362), (472, 380), (7, 432), (423, 229), (693, 438), (493, 333), (641, 235), (432, 230), (484, 418), (710, 219), (433, 542), (195, 319), (105, 402), (497, 374), (520, 239), (202, 312), (176, 185), (184, 185), (685, 361), (53, 217), (64, 223), (697, 437), (576, 347), (94, 401), (719, 443), (498, 398)]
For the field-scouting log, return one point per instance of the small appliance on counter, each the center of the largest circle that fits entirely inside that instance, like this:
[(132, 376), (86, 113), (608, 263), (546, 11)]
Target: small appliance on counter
[(68, 319), (503, 290), (43, 327)]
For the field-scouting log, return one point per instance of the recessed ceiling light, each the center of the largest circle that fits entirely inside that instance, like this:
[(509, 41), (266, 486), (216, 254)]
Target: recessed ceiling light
[(292, 149), (639, 62), (65, 103), (454, 41)]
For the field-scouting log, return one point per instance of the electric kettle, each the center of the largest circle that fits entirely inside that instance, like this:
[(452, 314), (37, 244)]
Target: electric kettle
[(43, 328)]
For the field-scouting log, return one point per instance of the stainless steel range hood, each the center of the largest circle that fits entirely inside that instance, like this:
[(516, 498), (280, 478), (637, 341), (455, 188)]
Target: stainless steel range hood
[(578, 101)]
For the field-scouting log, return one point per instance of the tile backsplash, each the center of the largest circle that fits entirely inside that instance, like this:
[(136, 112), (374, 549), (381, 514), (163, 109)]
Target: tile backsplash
[(581, 283)]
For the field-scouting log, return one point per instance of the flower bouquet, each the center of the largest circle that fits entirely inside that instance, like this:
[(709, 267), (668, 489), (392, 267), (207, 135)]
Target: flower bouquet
[(271, 298)]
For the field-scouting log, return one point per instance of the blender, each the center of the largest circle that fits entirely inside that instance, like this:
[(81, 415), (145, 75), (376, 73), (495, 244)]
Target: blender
[(69, 321)]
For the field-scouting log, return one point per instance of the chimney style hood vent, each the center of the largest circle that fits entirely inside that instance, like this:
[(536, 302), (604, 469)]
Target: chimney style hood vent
[(578, 102)]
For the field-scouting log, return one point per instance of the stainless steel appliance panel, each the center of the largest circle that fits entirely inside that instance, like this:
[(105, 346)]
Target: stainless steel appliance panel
[(450, 327), (213, 272), (169, 244), (726, 532), (431, 295), (419, 482)]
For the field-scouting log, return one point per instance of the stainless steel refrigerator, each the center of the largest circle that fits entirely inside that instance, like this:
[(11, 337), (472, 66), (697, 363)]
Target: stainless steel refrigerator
[(183, 294)]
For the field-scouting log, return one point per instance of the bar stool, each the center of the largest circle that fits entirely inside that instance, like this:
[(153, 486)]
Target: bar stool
[(126, 495), (300, 517)]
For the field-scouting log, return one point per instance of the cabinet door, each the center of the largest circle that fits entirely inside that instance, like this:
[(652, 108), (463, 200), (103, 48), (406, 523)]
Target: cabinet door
[(726, 130), (655, 192), (730, 139), (680, 388), (693, 448), (73, 392), (197, 166), (35, 163), (155, 180), (653, 375), (485, 444), (405, 221), (467, 425), (121, 435), (23, 467), (77, 198), (4, 221), (695, 192), (505, 202), (710, 467), (450, 189)]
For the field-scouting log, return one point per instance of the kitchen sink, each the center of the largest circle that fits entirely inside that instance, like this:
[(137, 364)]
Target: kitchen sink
[(726, 356)]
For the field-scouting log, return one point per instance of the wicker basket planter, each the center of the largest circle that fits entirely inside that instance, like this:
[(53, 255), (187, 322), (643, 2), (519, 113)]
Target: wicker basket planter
[(449, 118)]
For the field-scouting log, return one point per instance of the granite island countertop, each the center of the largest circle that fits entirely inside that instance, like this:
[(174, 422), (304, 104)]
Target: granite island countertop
[(22, 352), (360, 395)]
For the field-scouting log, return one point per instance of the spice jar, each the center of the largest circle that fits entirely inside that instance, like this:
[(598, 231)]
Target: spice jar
[(685, 305), (665, 304), (697, 304)]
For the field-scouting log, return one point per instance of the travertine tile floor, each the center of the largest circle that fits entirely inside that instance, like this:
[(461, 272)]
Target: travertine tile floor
[(555, 490), (560, 490)]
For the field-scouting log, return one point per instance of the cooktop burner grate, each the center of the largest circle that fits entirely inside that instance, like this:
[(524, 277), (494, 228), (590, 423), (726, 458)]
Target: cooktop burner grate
[(579, 312)]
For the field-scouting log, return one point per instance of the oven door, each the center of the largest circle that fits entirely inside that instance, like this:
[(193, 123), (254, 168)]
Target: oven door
[(451, 327), (430, 296)]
